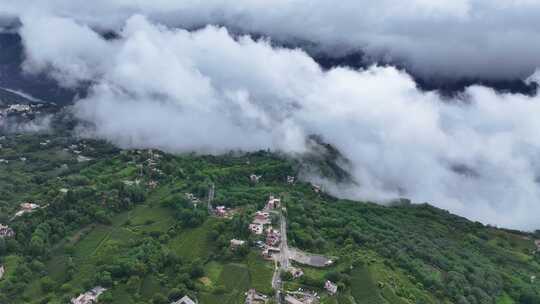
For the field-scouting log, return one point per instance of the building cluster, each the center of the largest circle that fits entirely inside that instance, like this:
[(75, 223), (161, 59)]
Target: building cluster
[(89, 297), (261, 226), (254, 297), (260, 219), (18, 109), (26, 208), (330, 287), (6, 232)]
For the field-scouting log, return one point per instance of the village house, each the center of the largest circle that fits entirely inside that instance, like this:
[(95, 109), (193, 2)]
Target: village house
[(295, 272), (290, 179), (152, 184), (190, 196), (316, 188), (273, 237), (261, 215), (268, 251), (330, 287), (220, 211), (256, 228), (26, 208), (82, 159), (185, 300), (89, 297), (254, 297), (273, 203), (130, 183), (5, 231), (237, 243), (254, 178)]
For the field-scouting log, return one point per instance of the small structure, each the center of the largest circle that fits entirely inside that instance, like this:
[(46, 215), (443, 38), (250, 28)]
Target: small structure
[(2, 271), (185, 300), (273, 203), (290, 180), (6, 232), (316, 188), (537, 243), (330, 287), (152, 184), (82, 159), (273, 237), (254, 297), (254, 178), (262, 215), (237, 243), (256, 228), (130, 183), (268, 251), (26, 208), (89, 297), (190, 196), (64, 190), (296, 272), (221, 211)]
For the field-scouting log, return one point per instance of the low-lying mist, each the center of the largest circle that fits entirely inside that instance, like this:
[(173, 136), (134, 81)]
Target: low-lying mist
[(475, 155)]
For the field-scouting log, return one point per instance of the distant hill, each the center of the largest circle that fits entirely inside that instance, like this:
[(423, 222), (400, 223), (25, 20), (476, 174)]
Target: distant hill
[(12, 77)]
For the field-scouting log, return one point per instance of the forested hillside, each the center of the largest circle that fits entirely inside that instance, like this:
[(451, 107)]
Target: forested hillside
[(121, 219)]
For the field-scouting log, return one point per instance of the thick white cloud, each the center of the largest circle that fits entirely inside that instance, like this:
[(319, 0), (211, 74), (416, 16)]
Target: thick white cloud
[(493, 39), (205, 91)]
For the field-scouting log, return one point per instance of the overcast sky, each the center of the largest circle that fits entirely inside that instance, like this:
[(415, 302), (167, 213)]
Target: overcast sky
[(475, 38), (164, 87)]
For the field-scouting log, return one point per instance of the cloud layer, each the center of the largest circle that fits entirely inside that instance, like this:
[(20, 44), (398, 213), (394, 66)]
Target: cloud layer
[(491, 39), (206, 91)]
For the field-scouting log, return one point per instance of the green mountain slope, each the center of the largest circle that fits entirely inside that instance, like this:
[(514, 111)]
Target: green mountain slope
[(121, 220)]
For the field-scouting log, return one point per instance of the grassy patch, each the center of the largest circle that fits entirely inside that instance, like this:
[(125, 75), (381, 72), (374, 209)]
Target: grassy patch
[(363, 287), (260, 272), (235, 277), (193, 243)]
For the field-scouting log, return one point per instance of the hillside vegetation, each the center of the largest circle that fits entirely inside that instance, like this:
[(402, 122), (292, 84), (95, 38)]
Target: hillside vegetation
[(120, 219)]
